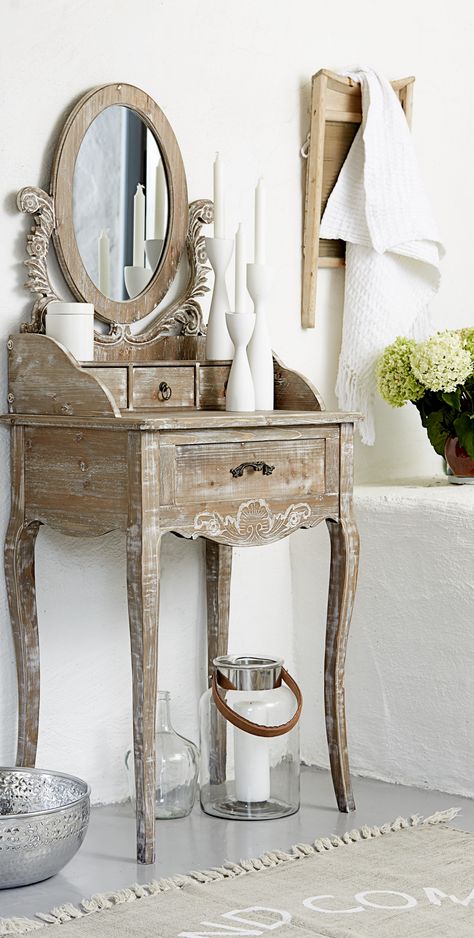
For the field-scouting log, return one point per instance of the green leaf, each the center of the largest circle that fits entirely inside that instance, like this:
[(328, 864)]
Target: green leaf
[(453, 398), (469, 385), (464, 427), (438, 429), (431, 401)]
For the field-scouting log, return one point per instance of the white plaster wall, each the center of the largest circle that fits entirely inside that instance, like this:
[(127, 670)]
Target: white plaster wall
[(409, 689), (233, 77)]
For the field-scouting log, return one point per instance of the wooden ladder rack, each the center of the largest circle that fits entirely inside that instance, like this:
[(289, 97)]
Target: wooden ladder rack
[(336, 114)]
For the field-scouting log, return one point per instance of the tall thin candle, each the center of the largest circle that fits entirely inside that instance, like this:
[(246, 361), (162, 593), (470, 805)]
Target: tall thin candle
[(161, 196), (139, 227), (260, 223), (104, 263), (240, 269), (219, 207)]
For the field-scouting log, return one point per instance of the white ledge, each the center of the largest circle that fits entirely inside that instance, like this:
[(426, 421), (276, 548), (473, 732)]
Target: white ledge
[(431, 494)]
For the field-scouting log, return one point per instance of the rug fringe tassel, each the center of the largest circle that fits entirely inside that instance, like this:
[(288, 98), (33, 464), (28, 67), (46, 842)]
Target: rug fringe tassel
[(68, 912)]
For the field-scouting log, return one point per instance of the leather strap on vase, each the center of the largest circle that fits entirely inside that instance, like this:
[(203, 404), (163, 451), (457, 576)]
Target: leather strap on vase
[(255, 729)]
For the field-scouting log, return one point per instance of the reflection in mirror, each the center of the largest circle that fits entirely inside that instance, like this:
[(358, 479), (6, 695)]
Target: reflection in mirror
[(120, 203)]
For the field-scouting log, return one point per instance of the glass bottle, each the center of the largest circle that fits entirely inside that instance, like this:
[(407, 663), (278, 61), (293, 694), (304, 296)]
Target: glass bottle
[(177, 767)]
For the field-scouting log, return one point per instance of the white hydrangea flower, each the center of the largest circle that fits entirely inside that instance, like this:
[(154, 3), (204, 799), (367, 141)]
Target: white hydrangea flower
[(441, 363), (396, 382)]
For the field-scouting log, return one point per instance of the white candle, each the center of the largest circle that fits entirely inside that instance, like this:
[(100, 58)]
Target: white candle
[(104, 263), (240, 271), (139, 227), (251, 756), (219, 208), (161, 195), (260, 223)]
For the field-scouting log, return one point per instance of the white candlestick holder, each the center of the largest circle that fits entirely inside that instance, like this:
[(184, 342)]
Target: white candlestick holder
[(259, 280), (240, 395), (153, 251), (136, 279), (218, 341)]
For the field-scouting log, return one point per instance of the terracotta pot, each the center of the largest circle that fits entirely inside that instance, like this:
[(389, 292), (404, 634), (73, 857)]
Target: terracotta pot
[(457, 459)]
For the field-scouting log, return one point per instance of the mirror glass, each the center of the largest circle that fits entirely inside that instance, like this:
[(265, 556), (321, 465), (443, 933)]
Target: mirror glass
[(120, 203)]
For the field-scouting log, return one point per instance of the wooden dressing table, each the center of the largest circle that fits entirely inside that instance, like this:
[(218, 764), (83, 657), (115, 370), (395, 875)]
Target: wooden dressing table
[(139, 440)]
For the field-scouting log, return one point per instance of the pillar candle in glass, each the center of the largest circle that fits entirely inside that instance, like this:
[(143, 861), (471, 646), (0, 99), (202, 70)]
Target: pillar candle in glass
[(250, 761), (251, 756)]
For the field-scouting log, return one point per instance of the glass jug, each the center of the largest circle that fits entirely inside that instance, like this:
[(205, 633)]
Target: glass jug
[(177, 767)]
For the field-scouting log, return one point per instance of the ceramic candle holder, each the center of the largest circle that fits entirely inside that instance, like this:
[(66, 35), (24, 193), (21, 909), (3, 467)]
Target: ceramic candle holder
[(259, 280), (240, 395), (218, 342), (154, 250), (136, 279)]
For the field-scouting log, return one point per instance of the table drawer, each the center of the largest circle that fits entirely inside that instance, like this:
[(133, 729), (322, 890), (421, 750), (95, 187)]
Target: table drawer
[(163, 387), (281, 469), (212, 386)]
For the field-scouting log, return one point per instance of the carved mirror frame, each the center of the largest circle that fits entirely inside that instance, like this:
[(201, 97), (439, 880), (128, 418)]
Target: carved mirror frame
[(78, 123), (53, 219)]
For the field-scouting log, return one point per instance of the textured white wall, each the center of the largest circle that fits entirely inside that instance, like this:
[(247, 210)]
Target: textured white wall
[(409, 690), (234, 78)]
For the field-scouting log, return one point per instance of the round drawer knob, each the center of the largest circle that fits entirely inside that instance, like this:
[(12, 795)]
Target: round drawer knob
[(164, 391)]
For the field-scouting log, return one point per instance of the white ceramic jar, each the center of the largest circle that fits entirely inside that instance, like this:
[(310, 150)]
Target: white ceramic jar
[(72, 324)]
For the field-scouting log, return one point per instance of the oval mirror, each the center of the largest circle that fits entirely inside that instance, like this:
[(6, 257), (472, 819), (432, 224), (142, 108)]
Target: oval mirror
[(121, 204)]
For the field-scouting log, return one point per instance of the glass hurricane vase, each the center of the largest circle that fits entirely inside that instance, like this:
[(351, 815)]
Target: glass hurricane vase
[(250, 765), (177, 767)]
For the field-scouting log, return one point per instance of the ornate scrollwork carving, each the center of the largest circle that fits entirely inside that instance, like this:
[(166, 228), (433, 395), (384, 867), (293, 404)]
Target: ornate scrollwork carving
[(36, 202), (187, 310), (184, 316), (254, 523)]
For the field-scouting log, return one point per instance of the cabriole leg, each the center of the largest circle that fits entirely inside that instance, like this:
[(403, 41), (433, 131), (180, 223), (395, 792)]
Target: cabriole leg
[(342, 586), (143, 583), (21, 590), (20, 580), (218, 577)]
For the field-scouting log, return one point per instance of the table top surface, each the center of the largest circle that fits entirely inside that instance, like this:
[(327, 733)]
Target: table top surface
[(187, 419)]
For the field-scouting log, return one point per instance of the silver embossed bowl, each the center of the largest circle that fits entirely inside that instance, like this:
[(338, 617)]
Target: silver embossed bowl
[(43, 821)]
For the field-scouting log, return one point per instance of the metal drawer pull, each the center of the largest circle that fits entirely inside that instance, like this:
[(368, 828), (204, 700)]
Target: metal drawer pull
[(164, 390), (262, 467)]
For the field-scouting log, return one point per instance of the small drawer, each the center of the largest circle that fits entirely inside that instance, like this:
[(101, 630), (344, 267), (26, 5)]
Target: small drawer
[(115, 380), (163, 387), (283, 469), (212, 386)]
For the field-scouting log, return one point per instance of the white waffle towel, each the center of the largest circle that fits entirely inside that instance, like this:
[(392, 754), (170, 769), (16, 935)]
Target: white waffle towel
[(379, 207)]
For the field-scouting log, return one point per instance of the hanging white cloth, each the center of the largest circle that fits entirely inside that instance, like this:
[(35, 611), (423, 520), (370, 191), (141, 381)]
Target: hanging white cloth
[(379, 207)]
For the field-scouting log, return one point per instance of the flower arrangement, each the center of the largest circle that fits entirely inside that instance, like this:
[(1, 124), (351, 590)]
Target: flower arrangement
[(437, 376)]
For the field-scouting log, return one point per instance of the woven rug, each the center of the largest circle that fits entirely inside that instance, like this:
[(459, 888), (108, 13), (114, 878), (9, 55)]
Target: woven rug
[(410, 879)]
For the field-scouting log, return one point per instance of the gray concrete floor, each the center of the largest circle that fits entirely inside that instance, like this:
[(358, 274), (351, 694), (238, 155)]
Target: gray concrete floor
[(106, 861)]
